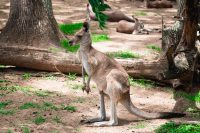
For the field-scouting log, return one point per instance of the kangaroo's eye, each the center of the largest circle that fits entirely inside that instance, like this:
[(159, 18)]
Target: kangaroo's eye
[(79, 36)]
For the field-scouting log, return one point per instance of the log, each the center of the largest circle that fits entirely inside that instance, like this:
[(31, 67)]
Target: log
[(159, 4), (42, 59)]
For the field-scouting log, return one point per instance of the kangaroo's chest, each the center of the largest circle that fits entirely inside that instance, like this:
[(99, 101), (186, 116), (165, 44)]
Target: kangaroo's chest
[(85, 62)]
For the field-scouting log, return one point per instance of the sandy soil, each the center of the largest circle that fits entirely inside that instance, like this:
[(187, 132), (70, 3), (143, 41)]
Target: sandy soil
[(64, 91)]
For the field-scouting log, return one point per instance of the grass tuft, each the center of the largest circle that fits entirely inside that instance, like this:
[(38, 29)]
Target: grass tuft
[(140, 13), (55, 50), (171, 127), (70, 29), (3, 81), (141, 83), (4, 104), (42, 93), (15, 88), (9, 131), (71, 76), (2, 66), (139, 125), (70, 108), (49, 105), (25, 129), (57, 119), (123, 54), (26, 76), (153, 47), (29, 105), (76, 86), (39, 120), (100, 38), (65, 44), (6, 112), (191, 97)]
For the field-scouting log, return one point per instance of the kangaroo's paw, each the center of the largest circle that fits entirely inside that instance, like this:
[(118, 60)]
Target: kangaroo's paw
[(86, 88), (105, 123)]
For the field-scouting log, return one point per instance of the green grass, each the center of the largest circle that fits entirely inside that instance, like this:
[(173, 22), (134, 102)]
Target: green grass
[(80, 100), (153, 47), (25, 129), (140, 13), (57, 119), (26, 89), (171, 127), (2, 95), (50, 77), (55, 50), (29, 105), (48, 106), (26, 76), (75, 86), (100, 38), (4, 104), (9, 131), (3, 81), (6, 112), (39, 120), (193, 110), (72, 49), (42, 93), (16, 88), (141, 83), (2, 66), (72, 76), (44, 106), (6, 88), (69, 108), (191, 97), (70, 29), (139, 125), (123, 54)]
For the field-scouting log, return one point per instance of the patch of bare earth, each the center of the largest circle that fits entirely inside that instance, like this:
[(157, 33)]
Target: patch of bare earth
[(67, 92), (63, 91)]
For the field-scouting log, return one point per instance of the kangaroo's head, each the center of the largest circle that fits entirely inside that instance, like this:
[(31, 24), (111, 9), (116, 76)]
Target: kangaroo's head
[(82, 37)]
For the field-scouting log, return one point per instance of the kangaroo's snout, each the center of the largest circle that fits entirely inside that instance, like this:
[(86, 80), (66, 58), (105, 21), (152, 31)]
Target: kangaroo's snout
[(71, 42)]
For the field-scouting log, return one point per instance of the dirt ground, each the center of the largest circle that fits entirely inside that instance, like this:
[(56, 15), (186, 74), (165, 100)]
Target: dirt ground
[(58, 89)]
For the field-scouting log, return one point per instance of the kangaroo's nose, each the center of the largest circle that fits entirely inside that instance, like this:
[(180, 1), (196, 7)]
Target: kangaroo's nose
[(71, 42)]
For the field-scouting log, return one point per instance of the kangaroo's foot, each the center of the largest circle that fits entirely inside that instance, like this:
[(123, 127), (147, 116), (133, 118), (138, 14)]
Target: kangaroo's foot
[(86, 88), (105, 123), (93, 120)]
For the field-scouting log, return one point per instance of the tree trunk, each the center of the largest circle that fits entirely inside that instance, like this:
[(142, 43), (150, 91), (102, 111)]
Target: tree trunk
[(30, 34), (30, 23)]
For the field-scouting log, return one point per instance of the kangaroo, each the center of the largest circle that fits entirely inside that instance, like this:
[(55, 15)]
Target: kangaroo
[(124, 26), (159, 4), (111, 80), (113, 15)]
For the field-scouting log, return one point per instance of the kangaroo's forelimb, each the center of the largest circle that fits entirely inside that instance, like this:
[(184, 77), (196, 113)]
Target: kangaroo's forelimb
[(86, 86)]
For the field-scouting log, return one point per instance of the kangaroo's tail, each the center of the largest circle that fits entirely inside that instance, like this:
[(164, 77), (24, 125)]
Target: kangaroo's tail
[(136, 111)]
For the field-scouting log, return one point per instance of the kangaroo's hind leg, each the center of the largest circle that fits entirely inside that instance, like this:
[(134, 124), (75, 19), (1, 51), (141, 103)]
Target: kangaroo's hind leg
[(102, 111), (113, 118), (112, 91)]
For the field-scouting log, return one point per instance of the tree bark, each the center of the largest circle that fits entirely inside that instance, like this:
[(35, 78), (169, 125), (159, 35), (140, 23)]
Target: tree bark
[(30, 23), (30, 34)]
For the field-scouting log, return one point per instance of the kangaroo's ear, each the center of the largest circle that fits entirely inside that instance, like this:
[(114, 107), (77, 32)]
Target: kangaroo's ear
[(86, 26)]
